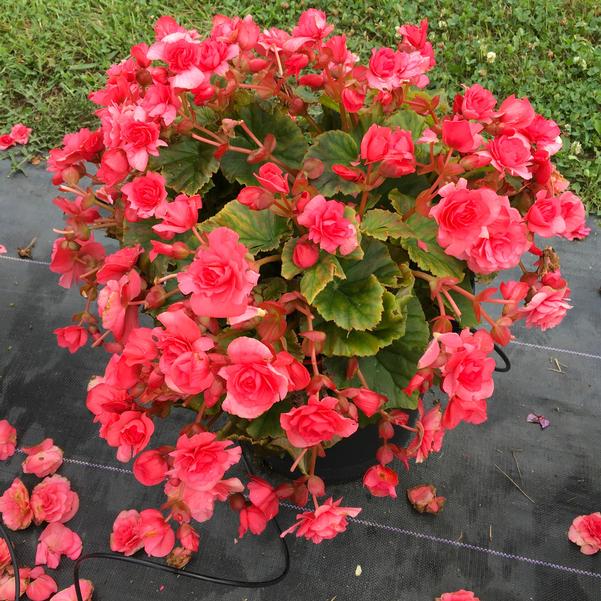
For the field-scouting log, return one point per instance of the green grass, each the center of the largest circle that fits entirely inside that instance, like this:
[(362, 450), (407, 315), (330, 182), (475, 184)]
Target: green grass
[(53, 52)]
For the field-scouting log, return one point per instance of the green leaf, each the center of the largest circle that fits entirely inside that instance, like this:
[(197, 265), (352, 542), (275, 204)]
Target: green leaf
[(352, 343), (289, 269), (432, 258), (382, 224), (334, 147), (390, 370), (353, 305), (408, 120), (186, 165), (140, 232), (267, 425), (375, 260), (291, 145), (401, 203), (316, 278), (258, 230)]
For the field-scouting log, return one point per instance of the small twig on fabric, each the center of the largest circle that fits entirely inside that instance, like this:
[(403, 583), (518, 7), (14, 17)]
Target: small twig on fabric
[(513, 452), (516, 484)]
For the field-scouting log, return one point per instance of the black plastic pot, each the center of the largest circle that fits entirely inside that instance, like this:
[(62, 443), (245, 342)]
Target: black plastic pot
[(345, 462)]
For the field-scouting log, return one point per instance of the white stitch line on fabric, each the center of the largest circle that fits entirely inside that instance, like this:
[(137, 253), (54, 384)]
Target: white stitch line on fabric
[(430, 537), (34, 261), (557, 350)]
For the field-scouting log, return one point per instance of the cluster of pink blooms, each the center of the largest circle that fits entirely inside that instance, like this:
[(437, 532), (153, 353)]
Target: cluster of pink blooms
[(221, 350), (50, 502), (19, 134)]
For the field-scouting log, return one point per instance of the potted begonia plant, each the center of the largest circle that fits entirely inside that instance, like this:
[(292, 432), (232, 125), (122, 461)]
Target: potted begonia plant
[(304, 231)]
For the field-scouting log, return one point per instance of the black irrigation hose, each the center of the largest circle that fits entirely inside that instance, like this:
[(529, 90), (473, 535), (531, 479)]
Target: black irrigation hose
[(13, 558), (505, 358)]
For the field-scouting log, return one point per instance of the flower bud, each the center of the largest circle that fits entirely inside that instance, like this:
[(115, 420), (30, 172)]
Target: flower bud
[(305, 254)]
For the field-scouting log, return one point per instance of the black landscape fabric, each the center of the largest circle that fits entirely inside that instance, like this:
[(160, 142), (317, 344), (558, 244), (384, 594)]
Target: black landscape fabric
[(491, 538)]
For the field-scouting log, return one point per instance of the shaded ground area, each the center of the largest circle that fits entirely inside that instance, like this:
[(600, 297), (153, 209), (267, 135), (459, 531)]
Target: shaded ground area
[(490, 538)]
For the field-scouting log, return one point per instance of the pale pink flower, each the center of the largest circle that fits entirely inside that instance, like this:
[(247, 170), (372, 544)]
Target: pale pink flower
[(55, 541), (15, 506), (43, 459), (8, 440), (52, 500), (20, 133), (126, 536), (585, 531), (68, 594)]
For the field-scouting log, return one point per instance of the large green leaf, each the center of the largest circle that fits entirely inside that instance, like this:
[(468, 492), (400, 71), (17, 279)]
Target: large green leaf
[(430, 257), (408, 120), (267, 425), (390, 370), (382, 224), (331, 148), (291, 145), (354, 343), (258, 230), (316, 278), (186, 165), (289, 269), (375, 260)]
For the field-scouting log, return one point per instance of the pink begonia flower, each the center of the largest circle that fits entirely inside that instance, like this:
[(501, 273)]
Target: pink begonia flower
[(71, 337), (393, 148), (585, 531), (562, 215), (80, 146), (478, 103), (7, 583), (429, 435), (272, 178), (140, 347), (317, 421), (324, 523), (5, 559), (327, 225), (41, 585), (200, 461), (461, 135), (20, 133), (130, 433), (462, 215), (515, 113), (200, 503), (253, 519), (52, 500), (146, 194), (305, 253), (6, 141), (374, 144), (118, 315), (178, 216), (118, 264), (423, 498), (368, 401), (220, 278), (55, 541), (3, 250), (509, 153), (545, 133), (157, 535), (15, 506), (126, 536), (8, 440), (461, 595), (255, 198), (161, 101), (381, 481), (68, 594), (297, 374), (43, 459), (72, 259), (188, 537), (263, 496), (114, 167), (550, 303), (503, 247), (253, 384), (150, 467), (353, 100)]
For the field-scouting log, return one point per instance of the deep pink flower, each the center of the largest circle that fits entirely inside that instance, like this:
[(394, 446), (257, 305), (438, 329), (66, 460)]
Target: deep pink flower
[(140, 139), (130, 433), (253, 384), (574, 216), (585, 531), (160, 100), (146, 194), (317, 421), (510, 153), (178, 216), (119, 263), (263, 496), (43, 459), (515, 113), (423, 498), (381, 481), (126, 536), (256, 198), (400, 156), (312, 24), (41, 585), (253, 519), (272, 178), (368, 401), (157, 535), (6, 141), (117, 314), (429, 435), (461, 135), (200, 461), (462, 215), (71, 337), (8, 440), (383, 69), (220, 278), (549, 305), (297, 374), (188, 537), (375, 143), (52, 500), (305, 253), (352, 99), (324, 523), (545, 133), (114, 167), (68, 594), (82, 145), (182, 53), (15, 506), (461, 595), (478, 103), (20, 133), (327, 225), (562, 215), (150, 467), (72, 259), (55, 541)]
